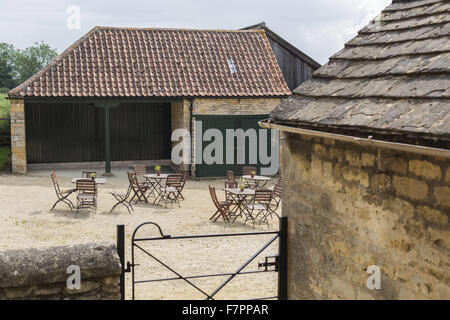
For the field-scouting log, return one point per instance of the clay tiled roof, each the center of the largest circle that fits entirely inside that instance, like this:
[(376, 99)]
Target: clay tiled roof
[(392, 78), (124, 62)]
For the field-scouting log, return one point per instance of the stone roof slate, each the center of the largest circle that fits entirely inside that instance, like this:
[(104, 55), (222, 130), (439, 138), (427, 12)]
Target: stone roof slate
[(393, 77)]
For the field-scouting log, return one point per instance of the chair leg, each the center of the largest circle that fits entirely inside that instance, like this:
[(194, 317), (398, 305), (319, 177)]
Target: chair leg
[(63, 200), (176, 199), (113, 207), (54, 205), (69, 203)]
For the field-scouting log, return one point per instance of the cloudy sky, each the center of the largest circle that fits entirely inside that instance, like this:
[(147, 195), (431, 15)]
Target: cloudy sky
[(317, 27)]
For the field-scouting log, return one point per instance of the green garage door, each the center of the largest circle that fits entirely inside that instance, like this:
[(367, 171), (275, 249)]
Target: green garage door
[(76, 132), (223, 122)]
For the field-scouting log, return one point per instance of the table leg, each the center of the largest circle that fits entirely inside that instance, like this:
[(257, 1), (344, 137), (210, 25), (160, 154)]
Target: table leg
[(157, 189), (152, 188)]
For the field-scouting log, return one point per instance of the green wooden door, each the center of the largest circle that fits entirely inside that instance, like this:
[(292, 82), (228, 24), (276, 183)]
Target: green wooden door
[(223, 122)]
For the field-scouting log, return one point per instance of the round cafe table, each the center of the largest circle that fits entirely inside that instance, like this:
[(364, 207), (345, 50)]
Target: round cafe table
[(238, 199), (259, 182), (155, 184)]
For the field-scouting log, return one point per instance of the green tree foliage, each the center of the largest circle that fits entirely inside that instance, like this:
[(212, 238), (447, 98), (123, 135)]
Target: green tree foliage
[(33, 59), (17, 65), (6, 76)]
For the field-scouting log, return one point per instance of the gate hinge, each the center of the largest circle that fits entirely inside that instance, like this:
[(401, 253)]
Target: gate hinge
[(129, 265), (270, 261)]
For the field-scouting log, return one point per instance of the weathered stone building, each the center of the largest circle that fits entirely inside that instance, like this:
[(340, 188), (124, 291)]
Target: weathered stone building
[(117, 94), (366, 162)]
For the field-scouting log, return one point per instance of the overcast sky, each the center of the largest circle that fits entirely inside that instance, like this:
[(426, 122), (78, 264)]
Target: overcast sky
[(317, 27)]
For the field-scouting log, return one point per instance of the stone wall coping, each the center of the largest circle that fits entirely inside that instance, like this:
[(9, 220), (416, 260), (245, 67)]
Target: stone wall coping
[(27, 267)]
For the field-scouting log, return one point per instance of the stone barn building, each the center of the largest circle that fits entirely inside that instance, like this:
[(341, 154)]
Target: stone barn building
[(366, 162), (116, 95)]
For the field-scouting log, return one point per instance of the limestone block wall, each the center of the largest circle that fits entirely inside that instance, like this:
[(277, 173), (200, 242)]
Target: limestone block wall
[(235, 106), (42, 273), (18, 143), (351, 207)]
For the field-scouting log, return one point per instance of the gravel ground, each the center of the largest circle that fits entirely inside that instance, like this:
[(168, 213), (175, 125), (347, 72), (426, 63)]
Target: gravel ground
[(26, 222)]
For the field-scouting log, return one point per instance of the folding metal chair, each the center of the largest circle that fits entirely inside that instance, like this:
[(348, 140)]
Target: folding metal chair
[(247, 171), (140, 170), (122, 199), (61, 194), (230, 182), (184, 176), (87, 194), (221, 206), (279, 183), (170, 192), (259, 205), (139, 189), (276, 199)]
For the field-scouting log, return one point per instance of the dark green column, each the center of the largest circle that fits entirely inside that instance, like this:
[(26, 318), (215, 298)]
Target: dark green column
[(107, 143), (106, 106)]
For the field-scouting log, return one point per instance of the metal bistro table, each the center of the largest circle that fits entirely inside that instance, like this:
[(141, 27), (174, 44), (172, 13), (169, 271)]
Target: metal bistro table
[(259, 181), (155, 185), (239, 200)]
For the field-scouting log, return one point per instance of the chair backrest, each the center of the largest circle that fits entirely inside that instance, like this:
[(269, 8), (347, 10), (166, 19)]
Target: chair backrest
[(230, 176), (262, 195), (184, 177), (55, 181), (174, 180), (86, 186), (231, 184), (246, 171), (140, 169), (212, 192), (280, 181), (277, 190), (132, 179), (87, 174)]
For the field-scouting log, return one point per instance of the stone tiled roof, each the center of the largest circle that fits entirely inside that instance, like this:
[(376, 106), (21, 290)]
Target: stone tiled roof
[(393, 77), (125, 62)]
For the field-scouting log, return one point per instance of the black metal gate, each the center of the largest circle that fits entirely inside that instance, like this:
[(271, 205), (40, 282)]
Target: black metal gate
[(275, 263)]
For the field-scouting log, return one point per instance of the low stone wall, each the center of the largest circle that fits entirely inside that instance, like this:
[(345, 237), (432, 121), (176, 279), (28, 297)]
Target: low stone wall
[(43, 273), (351, 207)]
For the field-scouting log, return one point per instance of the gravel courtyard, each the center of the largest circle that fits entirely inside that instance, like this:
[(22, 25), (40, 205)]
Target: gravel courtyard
[(26, 222)]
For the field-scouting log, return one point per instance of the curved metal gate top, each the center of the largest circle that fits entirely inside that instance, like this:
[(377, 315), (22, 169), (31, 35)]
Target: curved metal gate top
[(277, 262)]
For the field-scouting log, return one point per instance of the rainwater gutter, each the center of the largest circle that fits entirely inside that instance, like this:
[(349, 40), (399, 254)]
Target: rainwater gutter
[(436, 152)]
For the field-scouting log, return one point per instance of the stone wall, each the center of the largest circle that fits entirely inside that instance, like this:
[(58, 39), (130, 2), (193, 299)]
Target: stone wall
[(18, 144), (235, 106), (351, 207), (42, 273)]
